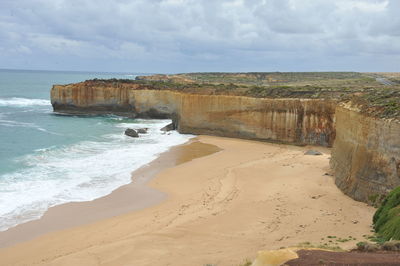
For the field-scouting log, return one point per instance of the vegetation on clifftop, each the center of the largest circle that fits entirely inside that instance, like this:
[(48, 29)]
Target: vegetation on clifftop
[(387, 218), (362, 89), (384, 102)]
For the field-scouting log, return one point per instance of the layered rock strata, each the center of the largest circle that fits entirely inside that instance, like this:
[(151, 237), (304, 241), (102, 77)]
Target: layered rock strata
[(365, 154), (366, 150), (296, 121)]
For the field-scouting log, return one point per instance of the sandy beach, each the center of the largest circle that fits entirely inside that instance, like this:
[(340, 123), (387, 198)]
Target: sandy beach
[(131, 197), (218, 209)]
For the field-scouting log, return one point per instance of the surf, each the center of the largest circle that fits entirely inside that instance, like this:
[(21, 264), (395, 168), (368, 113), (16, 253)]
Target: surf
[(23, 102)]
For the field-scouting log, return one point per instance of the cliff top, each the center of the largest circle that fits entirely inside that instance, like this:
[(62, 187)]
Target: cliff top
[(330, 79), (375, 93)]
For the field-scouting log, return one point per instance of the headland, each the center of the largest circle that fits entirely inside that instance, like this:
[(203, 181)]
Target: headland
[(260, 191)]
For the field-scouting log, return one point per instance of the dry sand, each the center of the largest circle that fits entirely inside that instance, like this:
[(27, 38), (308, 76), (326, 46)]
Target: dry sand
[(132, 197), (220, 209)]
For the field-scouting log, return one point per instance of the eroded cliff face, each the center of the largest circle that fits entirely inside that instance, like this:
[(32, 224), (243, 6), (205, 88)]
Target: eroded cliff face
[(296, 121), (80, 98), (284, 120), (366, 150), (366, 154)]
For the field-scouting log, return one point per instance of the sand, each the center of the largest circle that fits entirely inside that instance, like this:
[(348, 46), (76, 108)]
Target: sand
[(220, 209), (134, 196)]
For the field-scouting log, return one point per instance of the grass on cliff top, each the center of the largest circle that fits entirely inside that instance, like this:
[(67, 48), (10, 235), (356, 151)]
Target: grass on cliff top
[(387, 218), (383, 102), (361, 89), (271, 91), (327, 79), (275, 78)]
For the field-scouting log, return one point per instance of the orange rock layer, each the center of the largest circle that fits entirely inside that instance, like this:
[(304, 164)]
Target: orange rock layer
[(366, 150), (296, 121)]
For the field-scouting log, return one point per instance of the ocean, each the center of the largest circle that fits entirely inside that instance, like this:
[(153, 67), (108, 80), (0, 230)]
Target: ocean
[(47, 159)]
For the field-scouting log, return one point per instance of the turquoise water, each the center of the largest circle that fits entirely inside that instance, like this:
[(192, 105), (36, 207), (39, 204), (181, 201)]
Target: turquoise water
[(48, 159), (26, 119)]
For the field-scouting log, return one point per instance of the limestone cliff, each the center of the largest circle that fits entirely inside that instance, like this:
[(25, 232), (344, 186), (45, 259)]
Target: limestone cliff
[(366, 154), (284, 120), (297, 121), (366, 149)]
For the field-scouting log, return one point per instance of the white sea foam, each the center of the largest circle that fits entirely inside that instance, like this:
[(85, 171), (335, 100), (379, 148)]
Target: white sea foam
[(79, 172), (23, 102)]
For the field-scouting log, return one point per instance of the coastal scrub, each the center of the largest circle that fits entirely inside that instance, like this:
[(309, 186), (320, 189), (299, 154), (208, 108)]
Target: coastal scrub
[(387, 217)]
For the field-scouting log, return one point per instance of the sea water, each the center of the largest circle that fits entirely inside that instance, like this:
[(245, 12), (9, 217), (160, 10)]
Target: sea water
[(47, 159)]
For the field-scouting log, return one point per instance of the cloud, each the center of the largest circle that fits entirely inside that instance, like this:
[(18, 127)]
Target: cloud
[(200, 35)]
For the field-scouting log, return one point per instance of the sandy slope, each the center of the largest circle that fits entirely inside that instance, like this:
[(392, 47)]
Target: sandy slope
[(221, 209)]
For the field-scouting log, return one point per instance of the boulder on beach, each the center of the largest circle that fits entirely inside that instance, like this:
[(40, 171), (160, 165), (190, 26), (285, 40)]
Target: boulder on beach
[(131, 133), (142, 130), (168, 127), (312, 152)]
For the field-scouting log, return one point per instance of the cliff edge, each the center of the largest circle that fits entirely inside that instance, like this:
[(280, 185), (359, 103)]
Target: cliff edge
[(295, 121), (365, 154), (359, 122)]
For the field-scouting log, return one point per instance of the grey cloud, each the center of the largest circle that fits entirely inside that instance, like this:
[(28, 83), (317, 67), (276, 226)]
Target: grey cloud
[(200, 35)]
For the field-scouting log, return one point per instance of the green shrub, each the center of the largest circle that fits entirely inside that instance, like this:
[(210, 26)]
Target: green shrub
[(387, 217), (361, 245)]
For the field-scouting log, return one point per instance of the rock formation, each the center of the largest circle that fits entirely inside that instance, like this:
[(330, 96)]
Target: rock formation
[(168, 127), (131, 133), (365, 154), (312, 152), (366, 149), (295, 121), (142, 130)]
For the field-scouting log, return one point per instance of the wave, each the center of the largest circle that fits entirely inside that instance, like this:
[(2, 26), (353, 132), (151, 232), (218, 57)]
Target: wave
[(78, 172), (23, 102), (9, 123)]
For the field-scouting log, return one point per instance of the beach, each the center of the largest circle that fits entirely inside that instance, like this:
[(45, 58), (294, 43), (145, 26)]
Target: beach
[(216, 201)]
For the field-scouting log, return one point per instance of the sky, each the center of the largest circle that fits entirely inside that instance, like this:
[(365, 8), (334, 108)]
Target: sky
[(175, 36)]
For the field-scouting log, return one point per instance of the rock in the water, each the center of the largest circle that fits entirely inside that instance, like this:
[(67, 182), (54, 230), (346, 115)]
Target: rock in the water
[(131, 133), (168, 127), (312, 152), (142, 130)]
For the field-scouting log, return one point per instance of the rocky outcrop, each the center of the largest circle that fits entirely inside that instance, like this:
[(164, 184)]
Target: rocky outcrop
[(142, 130), (168, 127), (131, 133), (296, 121), (366, 154), (132, 100), (312, 152)]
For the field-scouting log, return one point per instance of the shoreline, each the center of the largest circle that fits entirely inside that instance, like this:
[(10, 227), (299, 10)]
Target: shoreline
[(220, 209), (127, 198)]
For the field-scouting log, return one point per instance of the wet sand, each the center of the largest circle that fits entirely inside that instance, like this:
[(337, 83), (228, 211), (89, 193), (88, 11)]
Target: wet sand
[(218, 209), (134, 196)]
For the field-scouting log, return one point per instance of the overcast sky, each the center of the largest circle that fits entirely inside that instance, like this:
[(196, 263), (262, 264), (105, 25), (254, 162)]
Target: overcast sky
[(200, 35)]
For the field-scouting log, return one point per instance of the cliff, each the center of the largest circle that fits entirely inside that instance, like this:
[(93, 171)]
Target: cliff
[(296, 121), (366, 146), (365, 154)]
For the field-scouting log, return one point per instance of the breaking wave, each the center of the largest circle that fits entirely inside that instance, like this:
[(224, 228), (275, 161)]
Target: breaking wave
[(23, 102), (79, 172)]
